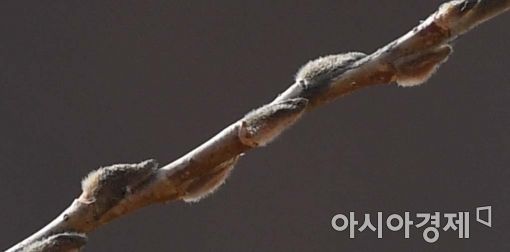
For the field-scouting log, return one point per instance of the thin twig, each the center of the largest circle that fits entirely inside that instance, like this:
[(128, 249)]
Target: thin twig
[(114, 191)]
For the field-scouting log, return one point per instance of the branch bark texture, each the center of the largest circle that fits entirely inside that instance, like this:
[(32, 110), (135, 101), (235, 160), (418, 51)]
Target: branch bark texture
[(114, 191)]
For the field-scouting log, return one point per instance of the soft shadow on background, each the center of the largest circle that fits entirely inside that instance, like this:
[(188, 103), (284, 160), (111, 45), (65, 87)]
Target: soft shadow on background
[(89, 84)]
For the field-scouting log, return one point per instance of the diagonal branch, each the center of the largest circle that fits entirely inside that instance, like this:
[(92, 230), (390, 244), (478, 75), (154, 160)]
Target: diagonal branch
[(114, 191)]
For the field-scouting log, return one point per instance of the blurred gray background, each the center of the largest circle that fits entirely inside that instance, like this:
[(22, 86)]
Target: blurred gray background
[(86, 84)]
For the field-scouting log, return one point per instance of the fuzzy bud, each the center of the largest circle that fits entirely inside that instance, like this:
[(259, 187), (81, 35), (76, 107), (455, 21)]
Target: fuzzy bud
[(264, 124), (106, 186), (63, 242), (416, 69)]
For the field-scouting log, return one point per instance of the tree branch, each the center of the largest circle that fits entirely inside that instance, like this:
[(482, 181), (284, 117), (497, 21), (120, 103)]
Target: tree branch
[(114, 191)]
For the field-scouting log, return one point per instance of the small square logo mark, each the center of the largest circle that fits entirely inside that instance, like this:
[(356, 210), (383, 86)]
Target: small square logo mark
[(481, 210)]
